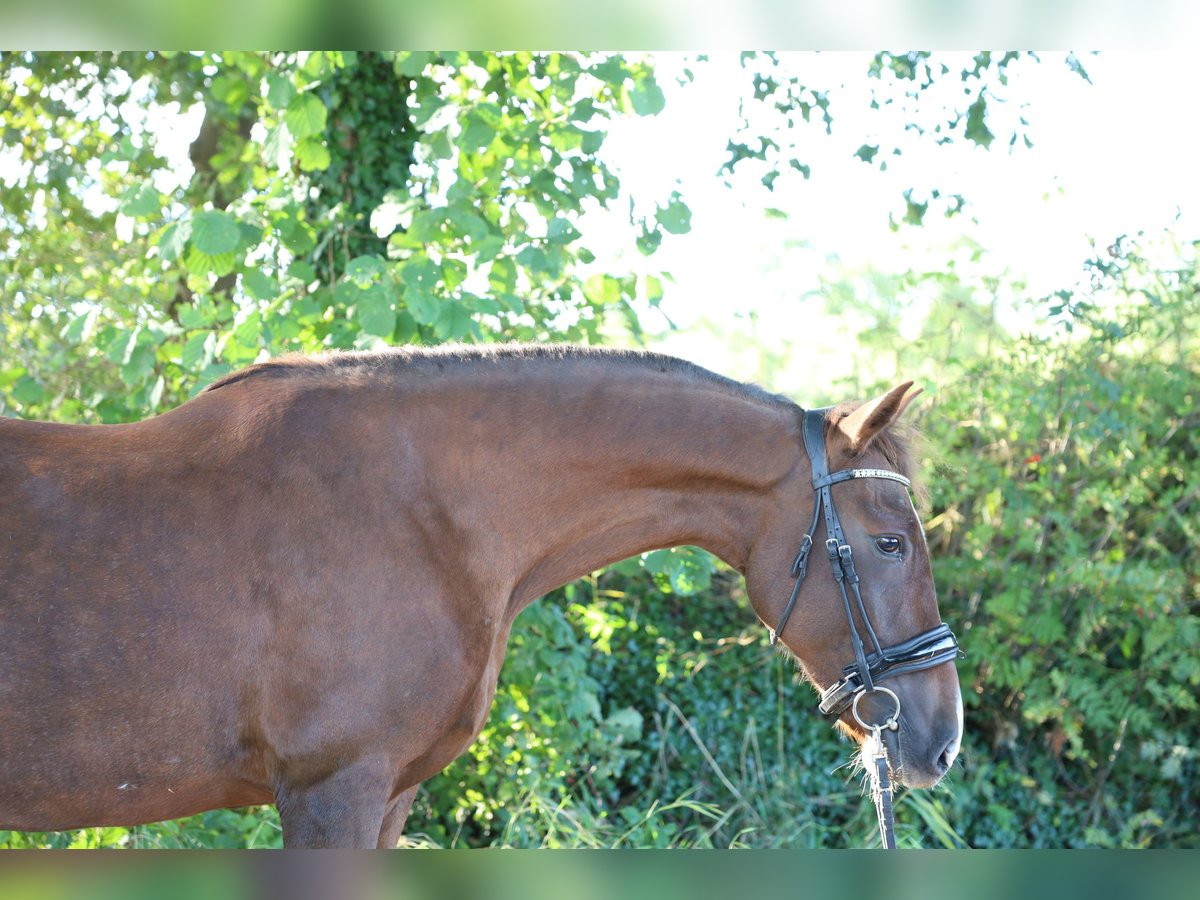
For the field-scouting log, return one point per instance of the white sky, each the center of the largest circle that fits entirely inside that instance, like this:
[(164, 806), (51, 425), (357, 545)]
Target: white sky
[(1113, 157)]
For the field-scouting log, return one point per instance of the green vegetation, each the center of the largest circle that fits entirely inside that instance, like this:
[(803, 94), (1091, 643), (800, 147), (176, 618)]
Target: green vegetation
[(337, 200), (342, 200)]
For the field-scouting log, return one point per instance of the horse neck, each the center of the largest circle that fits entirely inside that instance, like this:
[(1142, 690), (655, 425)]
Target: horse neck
[(548, 478)]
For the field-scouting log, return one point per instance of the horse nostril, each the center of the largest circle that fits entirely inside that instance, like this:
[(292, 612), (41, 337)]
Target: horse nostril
[(946, 758), (944, 762)]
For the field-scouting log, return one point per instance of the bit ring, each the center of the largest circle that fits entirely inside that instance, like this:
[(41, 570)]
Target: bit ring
[(891, 723)]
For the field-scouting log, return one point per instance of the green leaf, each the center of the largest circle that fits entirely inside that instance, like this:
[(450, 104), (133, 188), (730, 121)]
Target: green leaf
[(687, 569), (9, 376), (512, 302), (215, 232), (230, 89), (454, 272), (280, 90), (561, 231), (317, 63), (421, 273), (478, 134), (305, 115), (592, 141), (647, 97), (312, 155), (28, 390), (476, 304), (302, 272), (297, 235), (173, 239), (200, 314), (914, 213), (439, 145), (1076, 66), (259, 285), (201, 264), (502, 276), (625, 723), (564, 140), (81, 328), (427, 225), (248, 331), (488, 249), (374, 311), (197, 351), (602, 289), (365, 270), (277, 148), (649, 240), (141, 201), (412, 63), (533, 259), (250, 234), (977, 129), (867, 152), (675, 217), (454, 322), (468, 222), (422, 305)]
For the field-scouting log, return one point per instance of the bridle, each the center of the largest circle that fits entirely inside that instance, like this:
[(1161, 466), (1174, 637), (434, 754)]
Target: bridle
[(924, 651)]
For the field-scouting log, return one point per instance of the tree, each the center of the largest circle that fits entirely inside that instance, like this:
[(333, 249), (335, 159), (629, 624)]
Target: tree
[(937, 97), (336, 200)]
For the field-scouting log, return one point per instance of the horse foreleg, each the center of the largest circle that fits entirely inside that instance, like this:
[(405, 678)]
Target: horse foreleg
[(345, 809), (395, 817)]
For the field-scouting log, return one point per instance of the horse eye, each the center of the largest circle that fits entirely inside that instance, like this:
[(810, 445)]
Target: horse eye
[(888, 543)]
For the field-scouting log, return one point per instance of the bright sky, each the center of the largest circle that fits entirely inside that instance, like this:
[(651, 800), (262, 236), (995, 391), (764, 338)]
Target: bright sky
[(1113, 157)]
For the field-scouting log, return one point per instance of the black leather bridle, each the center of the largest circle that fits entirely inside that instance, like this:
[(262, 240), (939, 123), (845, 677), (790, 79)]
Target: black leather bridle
[(928, 649)]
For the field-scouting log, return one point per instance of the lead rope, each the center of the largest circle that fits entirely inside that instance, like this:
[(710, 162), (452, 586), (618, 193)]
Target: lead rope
[(881, 794), (879, 768)]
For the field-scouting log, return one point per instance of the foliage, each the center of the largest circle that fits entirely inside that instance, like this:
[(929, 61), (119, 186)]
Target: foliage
[(336, 200), (1064, 534)]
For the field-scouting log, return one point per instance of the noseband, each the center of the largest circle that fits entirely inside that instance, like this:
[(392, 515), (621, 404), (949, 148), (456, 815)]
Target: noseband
[(928, 649)]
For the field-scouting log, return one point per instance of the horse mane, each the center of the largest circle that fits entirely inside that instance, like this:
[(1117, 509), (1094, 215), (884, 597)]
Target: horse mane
[(397, 361)]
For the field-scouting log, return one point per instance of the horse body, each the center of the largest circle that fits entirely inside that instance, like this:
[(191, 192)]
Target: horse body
[(298, 587)]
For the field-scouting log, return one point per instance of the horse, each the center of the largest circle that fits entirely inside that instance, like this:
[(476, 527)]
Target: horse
[(298, 586)]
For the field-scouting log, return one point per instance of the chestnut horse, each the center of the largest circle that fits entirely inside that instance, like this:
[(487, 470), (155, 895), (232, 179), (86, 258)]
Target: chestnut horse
[(298, 586)]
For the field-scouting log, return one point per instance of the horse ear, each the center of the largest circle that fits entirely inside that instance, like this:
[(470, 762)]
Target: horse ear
[(860, 426)]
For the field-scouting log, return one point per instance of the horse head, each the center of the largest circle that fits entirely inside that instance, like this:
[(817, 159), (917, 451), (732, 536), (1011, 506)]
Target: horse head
[(858, 607)]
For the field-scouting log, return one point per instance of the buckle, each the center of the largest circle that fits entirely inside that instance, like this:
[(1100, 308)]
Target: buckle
[(802, 556)]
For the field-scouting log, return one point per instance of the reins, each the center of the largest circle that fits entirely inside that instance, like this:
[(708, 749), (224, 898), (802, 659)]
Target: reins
[(924, 651)]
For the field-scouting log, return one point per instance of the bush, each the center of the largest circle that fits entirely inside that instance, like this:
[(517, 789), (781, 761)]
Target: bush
[(1064, 535)]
